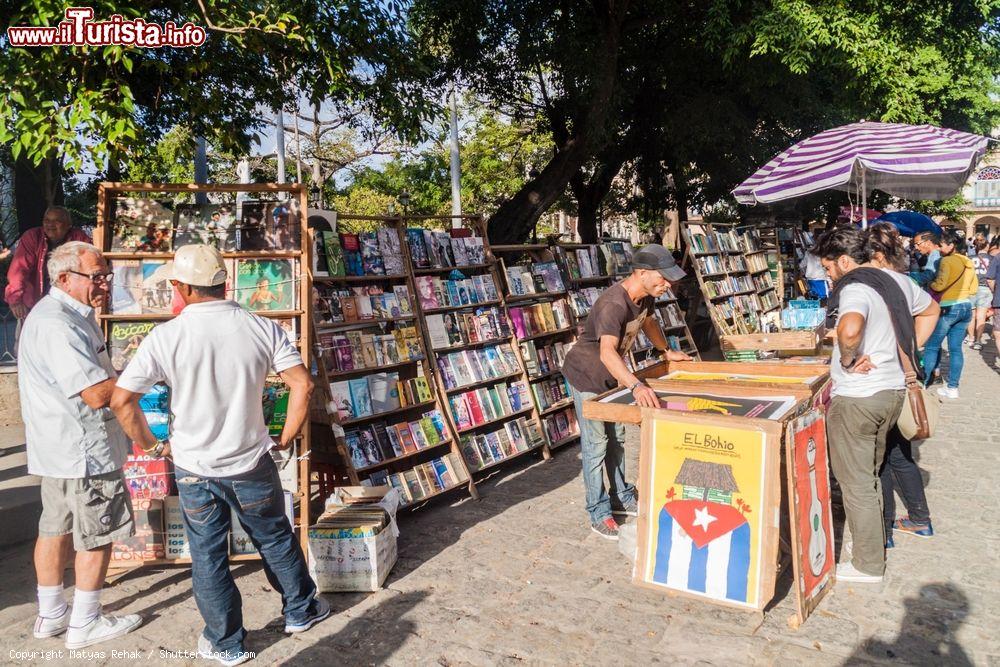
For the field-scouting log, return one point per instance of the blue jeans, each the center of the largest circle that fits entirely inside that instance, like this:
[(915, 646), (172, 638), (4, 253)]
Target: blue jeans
[(257, 499), (952, 324), (900, 472), (602, 447)]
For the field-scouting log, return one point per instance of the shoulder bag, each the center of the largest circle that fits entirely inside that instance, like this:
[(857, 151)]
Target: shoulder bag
[(919, 417)]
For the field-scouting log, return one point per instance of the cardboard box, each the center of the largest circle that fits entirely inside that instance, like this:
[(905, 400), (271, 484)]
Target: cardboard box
[(173, 519), (148, 541), (148, 477)]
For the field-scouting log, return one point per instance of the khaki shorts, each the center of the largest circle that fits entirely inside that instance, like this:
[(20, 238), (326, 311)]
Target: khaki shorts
[(97, 510)]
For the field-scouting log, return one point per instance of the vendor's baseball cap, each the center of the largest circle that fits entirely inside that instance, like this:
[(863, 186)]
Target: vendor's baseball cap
[(657, 258), (199, 265)]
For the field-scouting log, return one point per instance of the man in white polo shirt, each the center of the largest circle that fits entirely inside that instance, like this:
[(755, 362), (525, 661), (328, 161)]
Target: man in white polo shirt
[(215, 356), (75, 445)]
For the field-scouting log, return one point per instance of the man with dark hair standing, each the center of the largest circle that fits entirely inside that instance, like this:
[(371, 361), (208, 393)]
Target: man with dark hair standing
[(880, 315), (215, 357), (595, 365)]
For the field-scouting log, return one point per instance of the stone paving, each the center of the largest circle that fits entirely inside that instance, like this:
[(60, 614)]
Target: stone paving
[(518, 577)]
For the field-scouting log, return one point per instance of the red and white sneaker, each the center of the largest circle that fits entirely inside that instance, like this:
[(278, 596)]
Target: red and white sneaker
[(606, 528)]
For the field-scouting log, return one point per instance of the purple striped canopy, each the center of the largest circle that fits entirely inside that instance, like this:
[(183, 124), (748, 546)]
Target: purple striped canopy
[(910, 161)]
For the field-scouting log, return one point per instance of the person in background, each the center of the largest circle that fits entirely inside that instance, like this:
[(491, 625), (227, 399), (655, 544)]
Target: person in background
[(27, 279), (982, 300), (899, 471), (215, 357), (956, 282), (878, 313), (815, 275), (928, 244), (993, 282), (595, 365), (75, 445)]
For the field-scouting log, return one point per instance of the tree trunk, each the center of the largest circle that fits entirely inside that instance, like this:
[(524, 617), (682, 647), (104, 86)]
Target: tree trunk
[(36, 187)]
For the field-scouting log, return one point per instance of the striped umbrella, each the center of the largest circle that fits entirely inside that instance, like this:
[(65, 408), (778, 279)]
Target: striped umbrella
[(910, 161)]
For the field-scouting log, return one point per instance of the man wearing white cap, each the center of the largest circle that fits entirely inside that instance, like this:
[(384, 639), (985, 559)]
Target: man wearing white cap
[(215, 356)]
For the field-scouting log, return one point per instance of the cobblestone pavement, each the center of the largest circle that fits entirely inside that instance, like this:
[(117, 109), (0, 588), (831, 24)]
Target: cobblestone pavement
[(518, 577)]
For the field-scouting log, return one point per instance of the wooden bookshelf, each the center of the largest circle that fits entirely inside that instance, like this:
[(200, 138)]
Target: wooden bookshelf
[(109, 228), (475, 226), (361, 467)]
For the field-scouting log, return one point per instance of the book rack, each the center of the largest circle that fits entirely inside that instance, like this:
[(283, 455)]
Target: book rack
[(394, 429), (536, 288), (734, 277), (268, 235), (585, 287), (478, 368)]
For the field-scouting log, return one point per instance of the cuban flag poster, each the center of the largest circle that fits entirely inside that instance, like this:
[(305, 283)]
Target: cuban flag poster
[(707, 511)]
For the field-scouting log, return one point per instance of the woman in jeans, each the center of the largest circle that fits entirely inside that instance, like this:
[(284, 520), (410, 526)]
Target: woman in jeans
[(956, 281), (899, 472)]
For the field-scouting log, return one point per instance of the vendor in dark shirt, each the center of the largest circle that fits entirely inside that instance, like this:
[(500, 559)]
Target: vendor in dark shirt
[(595, 365)]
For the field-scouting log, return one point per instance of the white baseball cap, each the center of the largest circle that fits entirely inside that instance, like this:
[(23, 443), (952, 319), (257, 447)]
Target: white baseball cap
[(199, 265)]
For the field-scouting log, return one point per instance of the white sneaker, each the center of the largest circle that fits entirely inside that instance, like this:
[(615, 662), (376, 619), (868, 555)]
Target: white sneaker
[(102, 629), (227, 658), (847, 572), (52, 627), (948, 392)]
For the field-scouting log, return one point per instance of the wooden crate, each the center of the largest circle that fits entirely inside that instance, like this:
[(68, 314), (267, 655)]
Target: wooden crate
[(811, 375), (806, 339)]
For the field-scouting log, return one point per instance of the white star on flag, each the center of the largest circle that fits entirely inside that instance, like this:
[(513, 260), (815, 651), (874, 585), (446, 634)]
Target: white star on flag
[(703, 518)]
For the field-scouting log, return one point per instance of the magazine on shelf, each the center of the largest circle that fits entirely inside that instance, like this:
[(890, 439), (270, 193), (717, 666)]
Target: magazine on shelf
[(141, 225), (269, 226), (210, 224), (124, 338), (266, 284)]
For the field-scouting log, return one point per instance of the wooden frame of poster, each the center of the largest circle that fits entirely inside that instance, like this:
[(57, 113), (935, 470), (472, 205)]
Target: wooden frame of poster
[(812, 375), (739, 554), (632, 414), (808, 475)]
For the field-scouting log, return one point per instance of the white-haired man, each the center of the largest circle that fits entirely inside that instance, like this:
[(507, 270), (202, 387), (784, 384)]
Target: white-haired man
[(75, 445), (215, 357)]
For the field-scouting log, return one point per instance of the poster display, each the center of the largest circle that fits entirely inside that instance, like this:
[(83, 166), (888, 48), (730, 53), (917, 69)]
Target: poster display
[(762, 407), (705, 529), (809, 509)]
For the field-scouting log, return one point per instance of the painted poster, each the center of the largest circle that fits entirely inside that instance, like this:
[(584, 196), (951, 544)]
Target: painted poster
[(704, 526), (761, 407), (733, 377), (811, 518)]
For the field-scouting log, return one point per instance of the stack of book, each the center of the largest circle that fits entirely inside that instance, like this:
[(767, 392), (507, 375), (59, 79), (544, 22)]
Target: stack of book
[(762, 281), (375, 253), (757, 262), (701, 241), (580, 263), (357, 350), (735, 263), (750, 241), (484, 449), (362, 303), (540, 318), (455, 329), (479, 406), (424, 480), (583, 300), (376, 394), (729, 285), (711, 264), (538, 278), (561, 425), (551, 391), (439, 249), (371, 444), (460, 369), (542, 359), (729, 241), (456, 291)]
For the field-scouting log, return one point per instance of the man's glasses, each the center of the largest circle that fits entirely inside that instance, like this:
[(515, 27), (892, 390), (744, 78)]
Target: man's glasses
[(96, 277)]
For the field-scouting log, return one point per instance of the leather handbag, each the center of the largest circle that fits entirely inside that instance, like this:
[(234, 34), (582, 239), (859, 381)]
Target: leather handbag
[(921, 409)]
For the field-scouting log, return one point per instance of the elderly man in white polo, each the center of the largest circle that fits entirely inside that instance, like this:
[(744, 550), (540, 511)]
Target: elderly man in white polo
[(75, 446)]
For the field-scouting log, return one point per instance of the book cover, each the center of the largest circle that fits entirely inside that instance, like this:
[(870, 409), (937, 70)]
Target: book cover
[(476, 414), (460, 472), (493, 442), (506, 446), (438, 421), (413, 484), (371, 256), (394, 441), (275, 405), (141, 225), (449, 466), (460, 409), (369, 446), (423, 389), (411, 339), (447, 372), (403, 296), (348, 307), (392, 254), (549, 273), (427, 293), (515, 431), (406, 440), (443, 249), (124, 339), (266, 284), (361, 401), (418, 250), (460, 369), (363, 302), (353, 263), (517, 319), (334, 254), (157, 292), (383, 392), (352, 439), (443, 474), (475, 250), (430, 433), (459, 252), (126, 287), (437, 332), (382, 441), (432, 255), (471, 453), (419, 439), (340, 398)]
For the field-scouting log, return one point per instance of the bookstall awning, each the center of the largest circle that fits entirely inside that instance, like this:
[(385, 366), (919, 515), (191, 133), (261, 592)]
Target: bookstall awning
[(910, 161)]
